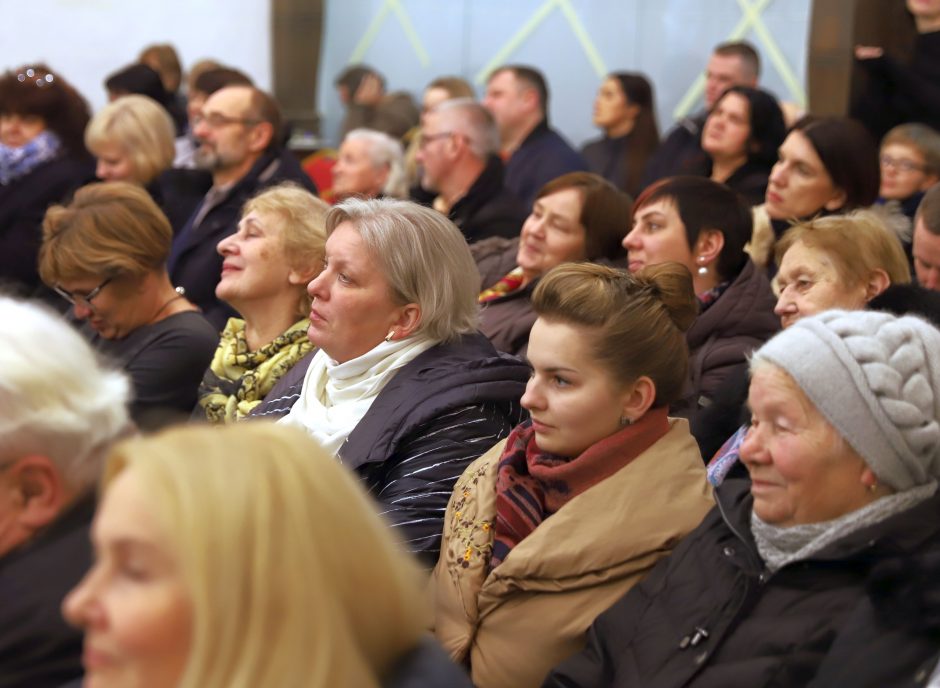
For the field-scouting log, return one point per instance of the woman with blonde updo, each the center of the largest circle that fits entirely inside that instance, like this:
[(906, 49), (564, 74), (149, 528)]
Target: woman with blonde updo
[(536, 529)]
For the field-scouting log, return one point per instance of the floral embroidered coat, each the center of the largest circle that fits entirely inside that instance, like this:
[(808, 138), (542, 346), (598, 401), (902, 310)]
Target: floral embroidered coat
[(533, 611)]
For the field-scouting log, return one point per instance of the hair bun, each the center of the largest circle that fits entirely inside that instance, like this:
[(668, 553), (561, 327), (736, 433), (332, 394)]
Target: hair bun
[(671, 284)]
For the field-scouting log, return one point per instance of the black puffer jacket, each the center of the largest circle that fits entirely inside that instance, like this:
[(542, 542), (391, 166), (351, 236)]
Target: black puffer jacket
[(711, 615), (438, 414)]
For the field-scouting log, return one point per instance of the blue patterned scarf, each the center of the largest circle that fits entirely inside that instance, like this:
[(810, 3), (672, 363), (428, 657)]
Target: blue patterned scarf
[(20, 161)]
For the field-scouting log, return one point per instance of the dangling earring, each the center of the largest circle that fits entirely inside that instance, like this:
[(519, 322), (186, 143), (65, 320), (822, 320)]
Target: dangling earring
[(873, 487), (388, 337), (702, 268), (624, 421)]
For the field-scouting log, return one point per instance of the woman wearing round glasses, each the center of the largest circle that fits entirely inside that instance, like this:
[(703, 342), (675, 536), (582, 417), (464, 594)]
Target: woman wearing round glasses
[(105, 253)]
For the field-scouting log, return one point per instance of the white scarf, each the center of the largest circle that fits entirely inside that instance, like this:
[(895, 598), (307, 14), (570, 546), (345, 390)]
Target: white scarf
[(335, 396)]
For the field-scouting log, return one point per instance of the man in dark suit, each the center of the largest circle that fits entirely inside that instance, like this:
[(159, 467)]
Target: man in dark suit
[(239, 133)]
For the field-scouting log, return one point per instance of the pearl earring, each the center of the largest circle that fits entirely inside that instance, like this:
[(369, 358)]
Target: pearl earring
[(702, 268)]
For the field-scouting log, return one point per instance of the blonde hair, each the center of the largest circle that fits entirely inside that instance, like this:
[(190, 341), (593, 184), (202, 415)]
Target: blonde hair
[(294, 579), (302, 230), (424, 258), (110, 229), (858, 243), (141, 128), (637, 321)]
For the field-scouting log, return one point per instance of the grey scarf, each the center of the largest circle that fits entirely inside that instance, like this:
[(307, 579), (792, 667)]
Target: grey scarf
[(781, 546)]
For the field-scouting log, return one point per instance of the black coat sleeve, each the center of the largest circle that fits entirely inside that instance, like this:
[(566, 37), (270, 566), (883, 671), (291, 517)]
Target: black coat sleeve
[(414, 486)]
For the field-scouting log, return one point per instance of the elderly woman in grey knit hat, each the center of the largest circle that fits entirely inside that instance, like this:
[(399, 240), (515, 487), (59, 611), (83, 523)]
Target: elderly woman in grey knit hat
[(784, 582)]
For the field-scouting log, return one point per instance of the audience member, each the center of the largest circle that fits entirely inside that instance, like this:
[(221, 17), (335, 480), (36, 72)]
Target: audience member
[(735, 63), (910, 164), (704, 226), (517, 96), (239, 130), (402, 389), (441, 89), (626, 110), (740, 140), (839, 261), (826, 165), (578, 216), (61, 409), (361, 90), (145, 81), (203, 82), (105, 253), (277, 250), (459, 161), (370, 164), (926, 246), (132, 138), (897, 93), (247, 557), (534, 542), (42, 161), (777, 581)]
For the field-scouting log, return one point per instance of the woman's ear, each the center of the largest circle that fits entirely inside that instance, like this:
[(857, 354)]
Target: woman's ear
[(878, 281), (408, 320), (708, 246), (837, 200), (639, 398)]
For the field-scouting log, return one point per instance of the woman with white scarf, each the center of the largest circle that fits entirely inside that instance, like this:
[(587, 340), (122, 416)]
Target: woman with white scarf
[(821, 569), (403, 388)]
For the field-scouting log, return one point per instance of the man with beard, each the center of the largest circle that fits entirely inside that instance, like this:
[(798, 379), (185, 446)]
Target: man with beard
[(239, 135)]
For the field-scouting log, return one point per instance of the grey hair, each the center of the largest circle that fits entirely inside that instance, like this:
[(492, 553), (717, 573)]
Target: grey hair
[(385, 151), (423, 256), (56, 399), (467, 117)]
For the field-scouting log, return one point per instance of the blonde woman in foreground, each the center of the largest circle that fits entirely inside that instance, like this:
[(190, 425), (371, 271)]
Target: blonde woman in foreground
[(246, 557)]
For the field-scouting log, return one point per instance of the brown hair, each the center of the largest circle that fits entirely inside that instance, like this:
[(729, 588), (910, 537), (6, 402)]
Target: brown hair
[(605, 212), (638, 320), (454, 85), (163, 58), (743, 50), (110, 229), (38, 91), (857, 243)]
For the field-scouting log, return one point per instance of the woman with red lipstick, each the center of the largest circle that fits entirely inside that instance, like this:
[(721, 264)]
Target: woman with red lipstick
[(740, 140), (105, 253), (821, 569), (577, 216), (704, 226), (551, 525), (825, 165), (267, 264)]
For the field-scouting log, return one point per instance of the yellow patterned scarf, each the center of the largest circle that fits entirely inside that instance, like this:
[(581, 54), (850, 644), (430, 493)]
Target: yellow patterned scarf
[(238, 379), (506, 285)]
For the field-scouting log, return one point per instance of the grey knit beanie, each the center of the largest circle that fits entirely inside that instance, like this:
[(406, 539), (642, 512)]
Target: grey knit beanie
[(876, 379)]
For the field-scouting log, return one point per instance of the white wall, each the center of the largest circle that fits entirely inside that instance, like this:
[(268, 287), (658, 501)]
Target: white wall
[(85, 40)]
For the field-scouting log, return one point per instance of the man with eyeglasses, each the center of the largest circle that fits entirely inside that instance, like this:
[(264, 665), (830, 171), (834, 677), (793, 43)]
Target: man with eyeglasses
[(239, 135), (517, 97), (926, 248), (459, 161)]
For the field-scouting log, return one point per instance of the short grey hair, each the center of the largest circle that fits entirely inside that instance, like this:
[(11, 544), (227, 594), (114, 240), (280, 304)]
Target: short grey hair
[(385, 151), (467, 117), (56, 398), (423, 256)]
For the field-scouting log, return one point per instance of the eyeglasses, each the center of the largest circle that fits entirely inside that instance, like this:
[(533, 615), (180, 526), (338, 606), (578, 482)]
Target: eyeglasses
[(39, 77), (901, 164), (87, 298), (428, 138), (216, 120)]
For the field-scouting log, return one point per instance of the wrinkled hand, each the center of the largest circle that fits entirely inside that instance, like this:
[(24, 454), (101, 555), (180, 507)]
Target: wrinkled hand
[(868, 52), (369, 91)]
